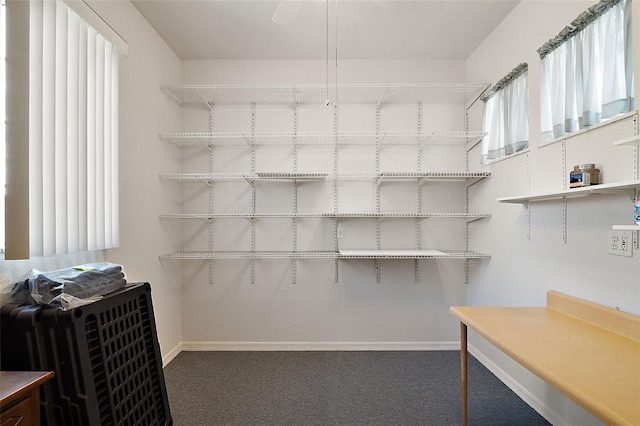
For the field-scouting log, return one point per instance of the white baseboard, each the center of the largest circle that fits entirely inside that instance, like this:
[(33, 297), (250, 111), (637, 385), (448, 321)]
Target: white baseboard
[(320, 346), (169, 356), (534, 402)]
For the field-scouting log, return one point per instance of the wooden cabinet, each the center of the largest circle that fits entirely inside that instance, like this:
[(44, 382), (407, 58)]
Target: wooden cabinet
[(20, 396)]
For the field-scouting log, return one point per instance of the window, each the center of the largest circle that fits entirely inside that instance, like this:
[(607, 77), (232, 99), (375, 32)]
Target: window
[(3, 39), (506, 116), (64, 79), (587, 70)]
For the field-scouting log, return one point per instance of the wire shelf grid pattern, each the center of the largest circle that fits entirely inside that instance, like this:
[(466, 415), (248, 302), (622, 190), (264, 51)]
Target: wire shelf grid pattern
[(346, 254), (288, 176), (210, 216), (209, 140), (377, 94)]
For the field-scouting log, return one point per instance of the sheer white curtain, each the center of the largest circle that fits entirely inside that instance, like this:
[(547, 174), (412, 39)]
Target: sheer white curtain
[(587, 73), (72, 132), (506, 118)]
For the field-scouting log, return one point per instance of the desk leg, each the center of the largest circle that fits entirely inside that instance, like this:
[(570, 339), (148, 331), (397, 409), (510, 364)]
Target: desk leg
[(463, 370)]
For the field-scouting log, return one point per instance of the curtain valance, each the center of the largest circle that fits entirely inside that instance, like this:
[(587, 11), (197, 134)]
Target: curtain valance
[(577, 25), (512, 75)]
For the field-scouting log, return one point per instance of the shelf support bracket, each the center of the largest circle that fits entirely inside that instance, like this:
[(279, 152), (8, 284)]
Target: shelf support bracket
[(564, 220), (250, 140), (253, 192), (636, 146), (564, 187), (251, 181), (419, 184), (205, 101), (335, 190), (206, 144), (528, 207), (211, 200), (378, 181), (294, 224), (528, 204)]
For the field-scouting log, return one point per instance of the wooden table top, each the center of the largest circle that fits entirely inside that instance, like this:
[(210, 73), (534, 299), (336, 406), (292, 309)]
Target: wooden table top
[(15, 383), (597, 368)]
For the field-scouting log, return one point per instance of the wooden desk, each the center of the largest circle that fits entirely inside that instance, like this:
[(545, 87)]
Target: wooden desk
[(588, 352), (20, 396)]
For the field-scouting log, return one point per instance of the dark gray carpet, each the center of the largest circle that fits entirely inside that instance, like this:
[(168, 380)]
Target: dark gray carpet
[(337, 388)]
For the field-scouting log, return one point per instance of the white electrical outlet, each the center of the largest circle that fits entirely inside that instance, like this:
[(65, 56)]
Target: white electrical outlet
[(620, 243)]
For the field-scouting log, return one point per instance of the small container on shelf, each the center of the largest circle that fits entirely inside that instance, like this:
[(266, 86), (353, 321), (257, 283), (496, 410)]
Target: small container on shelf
[(584, 175)]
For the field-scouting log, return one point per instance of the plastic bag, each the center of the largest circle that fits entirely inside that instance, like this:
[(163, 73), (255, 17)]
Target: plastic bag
[(70, 287)]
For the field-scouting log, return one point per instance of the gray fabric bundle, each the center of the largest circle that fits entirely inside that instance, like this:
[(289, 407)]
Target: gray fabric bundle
[(70, 287)]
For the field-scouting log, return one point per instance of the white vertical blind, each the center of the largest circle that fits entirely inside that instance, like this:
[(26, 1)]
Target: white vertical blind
[(59, 160), (37, 29), (73, 133), (73, 76)]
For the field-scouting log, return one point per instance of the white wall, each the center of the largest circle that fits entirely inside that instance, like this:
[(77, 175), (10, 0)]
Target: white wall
[(315, 312), (527, 264), (144, 112)]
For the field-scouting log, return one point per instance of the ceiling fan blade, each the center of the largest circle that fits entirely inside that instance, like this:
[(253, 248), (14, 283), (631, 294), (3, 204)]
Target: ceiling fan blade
[(286, 11)]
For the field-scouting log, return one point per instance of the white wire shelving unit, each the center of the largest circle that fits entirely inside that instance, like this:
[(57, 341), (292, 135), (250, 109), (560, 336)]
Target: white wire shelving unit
[(607, 188), (254, 178), (320, 254), (252, 140), (207, 217), (318, 94), (378, 95)]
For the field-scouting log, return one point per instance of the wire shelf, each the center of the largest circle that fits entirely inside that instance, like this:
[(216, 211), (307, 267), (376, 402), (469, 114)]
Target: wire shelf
[(209, 140), (409, 254), (224, 255), (607, 188), (342, 254), (381, 215), (207, 216), (432, 176), (286, 176), (378, 94), (209, 178)]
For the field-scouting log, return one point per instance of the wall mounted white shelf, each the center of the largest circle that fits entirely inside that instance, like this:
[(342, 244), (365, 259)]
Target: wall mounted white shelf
[(318, 94), (420, 177), (630, 188), (469, 217), (607, 188), (210, 140), (319, 254), (628, 141), (409, 254), (378, 95)]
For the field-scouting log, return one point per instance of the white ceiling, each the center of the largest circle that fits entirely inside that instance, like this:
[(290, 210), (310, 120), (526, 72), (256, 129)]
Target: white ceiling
[(366, 29)]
